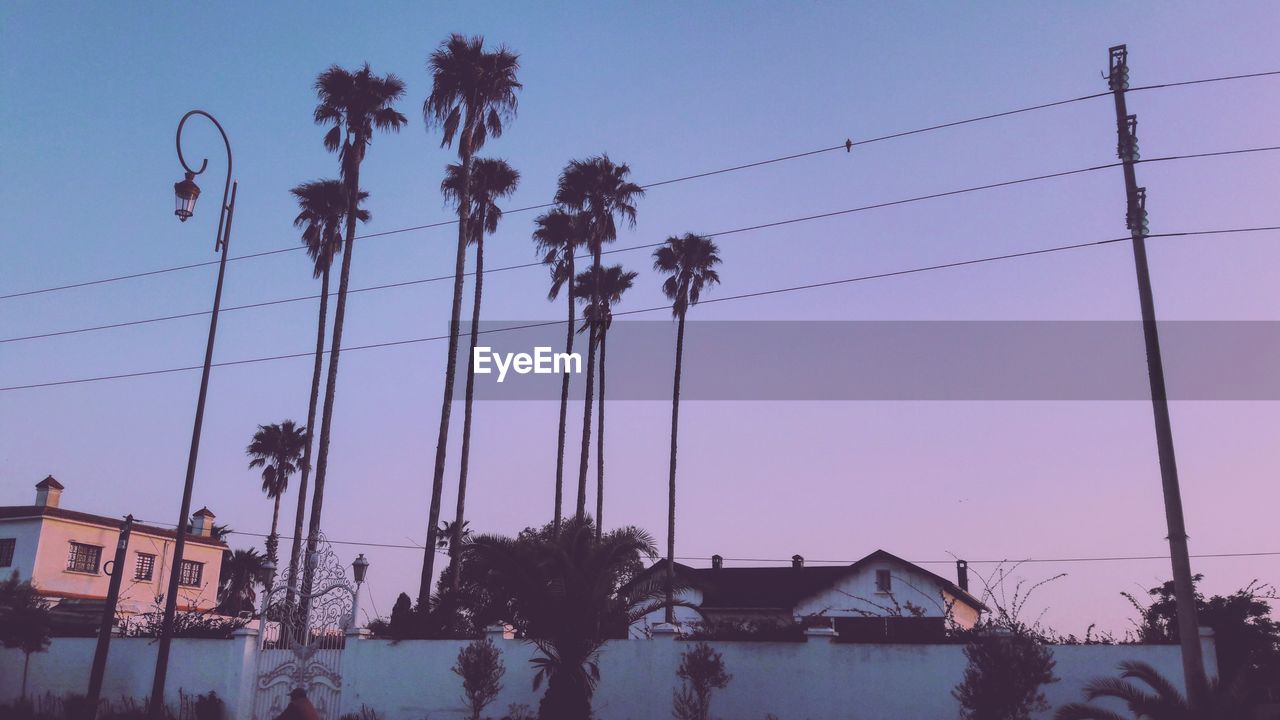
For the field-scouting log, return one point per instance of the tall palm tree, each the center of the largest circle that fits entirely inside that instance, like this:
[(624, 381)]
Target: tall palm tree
[(322, 205), (473, 92), (599, 190), (608, 285), (689, 262), (1163, 702), (241, 571), (558, 236), (490, 179), (355, 104), (563, 588), (278, 450)]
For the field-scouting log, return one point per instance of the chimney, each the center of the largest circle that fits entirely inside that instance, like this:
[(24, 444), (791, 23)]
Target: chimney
[(797, 561), (202, 523), (962, 575), (717, 562), (48, 492)]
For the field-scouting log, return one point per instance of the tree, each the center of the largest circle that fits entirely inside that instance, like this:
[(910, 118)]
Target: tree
[(24, 621), (490, 179), (1247, 639), (558, 236), (355, 104), (1163, 702), (562, 590), (689, 261), (242, 570), (480, 667), (322, 209), (607, 285), (473, 93), (701, 670), (1007, 666), (401, 625), (599, 190), (277, 449)]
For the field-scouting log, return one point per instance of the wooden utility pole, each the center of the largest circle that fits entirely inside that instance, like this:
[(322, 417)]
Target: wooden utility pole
[(1136, 219), (107, 625)]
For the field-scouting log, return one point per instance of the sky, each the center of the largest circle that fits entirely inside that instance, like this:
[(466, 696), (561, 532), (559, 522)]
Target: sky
[(92, 95)]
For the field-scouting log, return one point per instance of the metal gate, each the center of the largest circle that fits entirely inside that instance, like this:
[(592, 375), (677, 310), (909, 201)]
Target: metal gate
[(302, 633)]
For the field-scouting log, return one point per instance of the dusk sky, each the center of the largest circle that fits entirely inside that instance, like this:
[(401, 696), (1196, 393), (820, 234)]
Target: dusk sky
[(92, 96)]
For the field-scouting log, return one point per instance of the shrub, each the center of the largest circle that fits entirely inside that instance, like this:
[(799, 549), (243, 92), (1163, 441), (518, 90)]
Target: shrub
[(1006, 668), (480, 667), (701, 670)]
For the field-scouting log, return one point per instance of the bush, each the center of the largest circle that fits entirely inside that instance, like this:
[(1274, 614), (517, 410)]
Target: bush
[(480, 667), (1006, 668), (701, 670)]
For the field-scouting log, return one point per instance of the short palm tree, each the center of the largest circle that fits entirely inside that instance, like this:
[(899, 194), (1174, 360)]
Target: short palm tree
[(490, 179), (601, 192), (607, 285), (241, 571), (473, 92), (558, 237), (1160, 700), (689, 262), (322, 206), (355, 104), (563, 588), (278, 450)]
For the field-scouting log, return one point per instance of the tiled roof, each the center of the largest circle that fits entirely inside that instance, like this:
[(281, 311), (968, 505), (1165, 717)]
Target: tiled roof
[(11, 512)]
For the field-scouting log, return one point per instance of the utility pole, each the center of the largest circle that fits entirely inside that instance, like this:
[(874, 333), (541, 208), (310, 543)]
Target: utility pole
[(108, 620), (1136, 219)]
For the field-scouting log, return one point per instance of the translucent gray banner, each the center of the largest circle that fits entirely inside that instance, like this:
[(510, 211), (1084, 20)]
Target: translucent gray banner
[(887, 360)]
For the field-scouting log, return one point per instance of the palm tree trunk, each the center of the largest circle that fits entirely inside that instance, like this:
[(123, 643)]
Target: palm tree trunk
[(564, 399), (273, 542), (586, 409), (671, 487), (455, 543), (604, 332), (295, 555), (335, 351), (450, 368)]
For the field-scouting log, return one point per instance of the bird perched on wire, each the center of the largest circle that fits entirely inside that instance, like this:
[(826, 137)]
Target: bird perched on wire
[(848, 145)]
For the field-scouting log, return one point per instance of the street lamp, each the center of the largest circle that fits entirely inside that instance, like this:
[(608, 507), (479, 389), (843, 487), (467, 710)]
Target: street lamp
[(359, 567), (186, 192)]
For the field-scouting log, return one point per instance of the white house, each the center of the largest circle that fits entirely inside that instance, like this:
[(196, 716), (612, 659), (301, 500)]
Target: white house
[(880, 598)]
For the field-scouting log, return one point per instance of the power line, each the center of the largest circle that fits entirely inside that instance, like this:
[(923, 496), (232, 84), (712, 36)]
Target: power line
[(439, 278), (794, 288), (660, 183)]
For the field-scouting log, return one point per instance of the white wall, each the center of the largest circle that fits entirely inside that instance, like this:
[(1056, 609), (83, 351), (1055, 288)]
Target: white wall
[(817, 680)]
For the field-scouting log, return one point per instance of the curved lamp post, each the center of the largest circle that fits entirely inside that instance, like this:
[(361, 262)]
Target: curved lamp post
[(186, 193)]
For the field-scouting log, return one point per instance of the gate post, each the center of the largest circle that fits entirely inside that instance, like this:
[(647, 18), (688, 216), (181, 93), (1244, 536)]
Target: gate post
[(243, 663)]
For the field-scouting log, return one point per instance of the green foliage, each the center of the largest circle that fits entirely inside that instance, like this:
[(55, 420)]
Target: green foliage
[(210, 707), (480, 666), (761, 630), (185, 625), (24, 616), (1007, 666), (1159, 699), (701, 670), (366, 713)]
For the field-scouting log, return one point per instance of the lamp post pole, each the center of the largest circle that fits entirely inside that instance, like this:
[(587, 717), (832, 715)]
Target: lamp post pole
[(187, 192)]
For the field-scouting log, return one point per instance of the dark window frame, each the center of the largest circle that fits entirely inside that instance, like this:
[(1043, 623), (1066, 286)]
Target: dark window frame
[(84, 558), (7, 548), (190, 573), (147, 562), (884, 581)]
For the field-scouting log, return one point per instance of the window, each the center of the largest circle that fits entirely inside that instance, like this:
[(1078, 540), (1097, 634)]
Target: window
[(884, 582), (84, 558), (190, 573), (145, 567), (6, 551)]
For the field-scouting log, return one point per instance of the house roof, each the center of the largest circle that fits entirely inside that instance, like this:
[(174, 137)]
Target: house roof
[(782, 588), (13, 512), (50, 483)]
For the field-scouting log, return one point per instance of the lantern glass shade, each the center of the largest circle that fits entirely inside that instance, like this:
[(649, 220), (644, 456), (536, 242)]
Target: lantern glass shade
[(268, 572), (185, 194), (360, 566)]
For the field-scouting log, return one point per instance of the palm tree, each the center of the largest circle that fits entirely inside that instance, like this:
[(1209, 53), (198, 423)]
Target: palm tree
[(354, 104), (473, 92), (241, 571), (1164, 702), (600, 191), (608, 285), (563, 588), (490, 179), (558, 236), (322, 205), (689, 262), (278, 450)]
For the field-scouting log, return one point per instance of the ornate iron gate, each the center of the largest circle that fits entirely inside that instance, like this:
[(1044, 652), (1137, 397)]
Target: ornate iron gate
[(301, 638)]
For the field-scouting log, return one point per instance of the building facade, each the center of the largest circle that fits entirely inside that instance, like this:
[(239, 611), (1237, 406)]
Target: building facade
[(68, 555)]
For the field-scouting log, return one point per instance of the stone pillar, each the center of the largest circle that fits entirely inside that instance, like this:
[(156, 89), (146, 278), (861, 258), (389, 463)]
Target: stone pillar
[(821, 633), (243, 665), (665, 631)]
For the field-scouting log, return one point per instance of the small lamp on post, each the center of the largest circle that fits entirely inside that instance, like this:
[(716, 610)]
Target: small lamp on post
[(359, 567), (185, 194)]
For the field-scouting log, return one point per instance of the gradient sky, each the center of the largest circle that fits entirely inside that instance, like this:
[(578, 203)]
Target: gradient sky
[(91, 95)]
